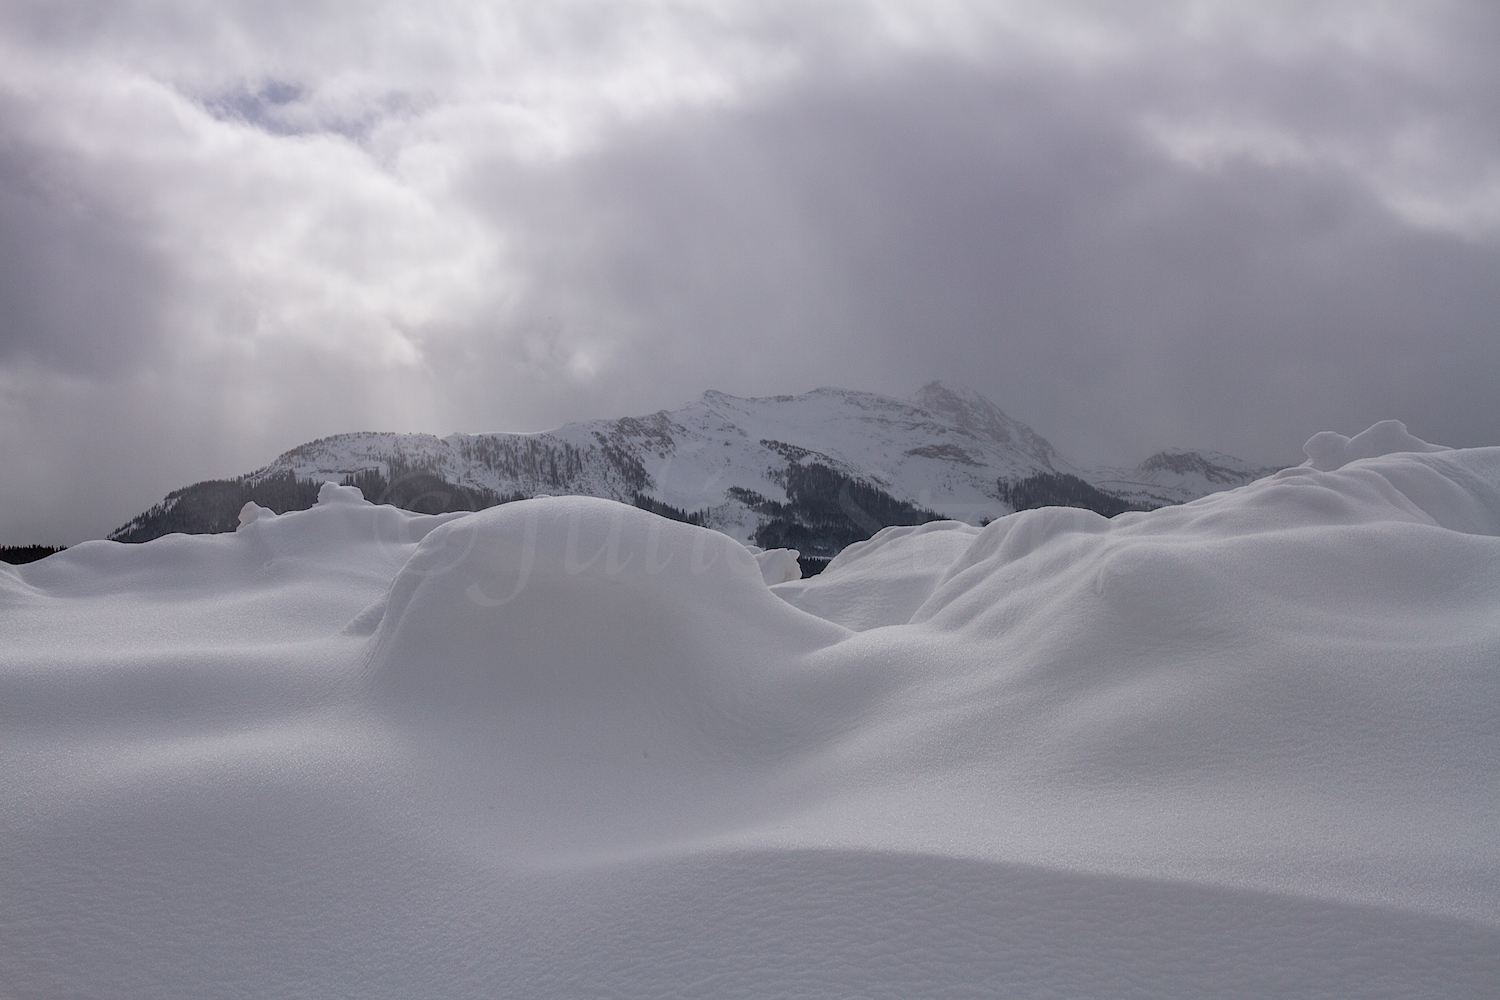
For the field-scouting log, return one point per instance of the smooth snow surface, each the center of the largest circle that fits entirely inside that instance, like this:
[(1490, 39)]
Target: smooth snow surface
[(1244, 747), (884, 580)]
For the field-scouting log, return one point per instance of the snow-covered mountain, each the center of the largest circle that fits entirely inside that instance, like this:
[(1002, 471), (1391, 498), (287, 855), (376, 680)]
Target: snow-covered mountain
[(1176, 476), (813, 470)]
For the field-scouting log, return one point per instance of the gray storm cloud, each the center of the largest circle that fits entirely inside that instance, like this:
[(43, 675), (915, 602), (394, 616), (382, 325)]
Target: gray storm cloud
[(228, 230)]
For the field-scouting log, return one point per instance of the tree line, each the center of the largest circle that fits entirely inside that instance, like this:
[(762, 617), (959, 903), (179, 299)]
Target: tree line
[(214, 506), (1058, 489)]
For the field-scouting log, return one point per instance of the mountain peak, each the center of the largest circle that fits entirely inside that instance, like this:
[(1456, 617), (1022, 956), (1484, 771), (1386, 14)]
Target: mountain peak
[(1211, 466), (969, 410), (939, 393)]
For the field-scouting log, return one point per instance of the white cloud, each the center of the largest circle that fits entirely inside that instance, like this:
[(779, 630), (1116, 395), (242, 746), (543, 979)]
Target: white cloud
[(403, 208)]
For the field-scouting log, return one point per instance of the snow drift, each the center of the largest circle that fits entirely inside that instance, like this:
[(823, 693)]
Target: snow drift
[(564, 747)]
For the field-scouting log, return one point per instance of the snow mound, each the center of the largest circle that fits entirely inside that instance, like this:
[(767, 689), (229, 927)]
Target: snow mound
[(883, 580), (1327, 450), (1242, 747), (252, 512), (330, 494), (1250, 639), (289, 576), (776, 565), (585, 644), (779, 566)]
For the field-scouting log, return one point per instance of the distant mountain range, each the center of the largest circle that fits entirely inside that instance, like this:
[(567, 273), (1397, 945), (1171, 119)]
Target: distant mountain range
[(813, 472)]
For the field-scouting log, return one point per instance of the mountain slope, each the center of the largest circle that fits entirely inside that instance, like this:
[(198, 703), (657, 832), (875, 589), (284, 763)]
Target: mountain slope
[(1175, 476), (815, 471)]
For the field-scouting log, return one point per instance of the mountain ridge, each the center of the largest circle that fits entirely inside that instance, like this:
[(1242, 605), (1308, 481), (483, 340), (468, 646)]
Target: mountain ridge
[(820, 468)]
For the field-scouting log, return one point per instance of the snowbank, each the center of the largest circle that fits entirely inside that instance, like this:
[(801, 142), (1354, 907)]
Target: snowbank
[(604, 671), (884, 580), (564, 747), (1328, 450)]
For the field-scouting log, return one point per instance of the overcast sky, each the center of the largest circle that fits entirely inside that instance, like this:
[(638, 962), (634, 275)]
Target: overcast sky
[(229, 228)]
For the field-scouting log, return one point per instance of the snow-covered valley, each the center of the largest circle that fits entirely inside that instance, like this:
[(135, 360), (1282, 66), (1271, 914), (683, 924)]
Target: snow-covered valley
[(1240, 747)]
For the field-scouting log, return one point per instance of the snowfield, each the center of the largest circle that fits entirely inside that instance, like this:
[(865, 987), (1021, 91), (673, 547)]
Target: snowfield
[(1242, 747)]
